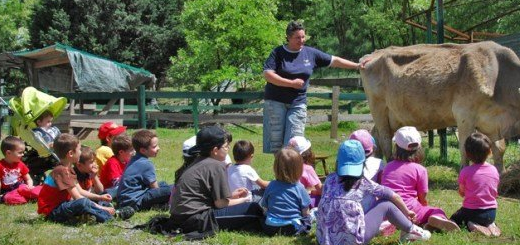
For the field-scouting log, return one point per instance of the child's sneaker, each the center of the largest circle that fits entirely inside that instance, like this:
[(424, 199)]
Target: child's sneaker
[(495, 231), (125, 213), (442, 224), (386, 228), (416, 233), (313, 213), (479, 228)]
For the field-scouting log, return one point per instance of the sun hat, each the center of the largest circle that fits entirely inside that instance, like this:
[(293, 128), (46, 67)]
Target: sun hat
[(187, 144), (300, 144), (207, 138), (110, 129), (366, 139), (407, 138), (351, 157)]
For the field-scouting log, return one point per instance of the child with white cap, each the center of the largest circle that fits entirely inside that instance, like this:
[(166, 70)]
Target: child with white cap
[(344, 218), (406, 176), (309, 179)]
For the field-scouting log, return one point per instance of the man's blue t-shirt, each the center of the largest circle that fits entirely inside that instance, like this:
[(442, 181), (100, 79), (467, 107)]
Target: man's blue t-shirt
[(285, 200), (135, 181), (291, 65)]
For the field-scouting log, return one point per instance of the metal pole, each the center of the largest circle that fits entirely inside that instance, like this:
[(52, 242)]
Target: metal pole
[(440, 39), (141, 106)]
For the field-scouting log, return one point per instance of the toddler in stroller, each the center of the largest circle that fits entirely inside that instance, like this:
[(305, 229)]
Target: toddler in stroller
[(27, 109)]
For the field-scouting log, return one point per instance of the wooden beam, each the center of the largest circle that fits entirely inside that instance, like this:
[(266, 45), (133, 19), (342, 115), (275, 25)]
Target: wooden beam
[(42, 52), (453, 30), (51, 62), (409, 22), (488, 34)]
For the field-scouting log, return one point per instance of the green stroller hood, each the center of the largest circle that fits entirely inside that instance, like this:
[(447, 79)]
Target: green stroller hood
[(27, 109)]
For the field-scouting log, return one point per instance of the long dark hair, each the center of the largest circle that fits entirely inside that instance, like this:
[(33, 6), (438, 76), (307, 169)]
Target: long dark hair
[(349, 181), (188, 161)]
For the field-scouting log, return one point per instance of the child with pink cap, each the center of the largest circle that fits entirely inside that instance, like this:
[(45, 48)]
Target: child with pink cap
[(309, 179), (373, 166), (409, 179)]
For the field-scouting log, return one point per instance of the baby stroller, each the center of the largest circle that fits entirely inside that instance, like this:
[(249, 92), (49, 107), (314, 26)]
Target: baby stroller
[(26, 109)]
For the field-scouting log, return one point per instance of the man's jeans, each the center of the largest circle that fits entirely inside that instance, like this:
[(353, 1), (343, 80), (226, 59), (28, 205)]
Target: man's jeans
[(67, 210), (281, 123)]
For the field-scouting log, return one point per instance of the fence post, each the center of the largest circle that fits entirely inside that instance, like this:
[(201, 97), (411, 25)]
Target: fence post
[(334, 113), (444, 143), (141, 106), (195, 112)]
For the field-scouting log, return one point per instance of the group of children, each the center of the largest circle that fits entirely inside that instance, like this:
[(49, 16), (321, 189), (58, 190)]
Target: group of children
[(361, 199)]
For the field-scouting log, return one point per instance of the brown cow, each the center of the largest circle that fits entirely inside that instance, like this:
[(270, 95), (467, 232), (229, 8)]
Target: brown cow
[(471, 86)]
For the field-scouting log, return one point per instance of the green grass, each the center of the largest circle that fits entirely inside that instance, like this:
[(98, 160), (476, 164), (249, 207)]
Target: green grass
[(21, 224)]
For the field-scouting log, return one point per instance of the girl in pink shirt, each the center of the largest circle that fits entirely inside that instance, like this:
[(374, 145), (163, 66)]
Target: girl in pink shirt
[(409, 179), (478, 185), (309, 179)]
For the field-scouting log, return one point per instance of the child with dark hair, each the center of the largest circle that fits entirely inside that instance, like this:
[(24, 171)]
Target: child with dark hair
[(138, 187), (86, 171), (343, 215), (309, 179), (62, 199), (478, 185), (241, 174), (45, 130), (16, 183), (115, 165), (202, 202), (286, 200), (409, 179)]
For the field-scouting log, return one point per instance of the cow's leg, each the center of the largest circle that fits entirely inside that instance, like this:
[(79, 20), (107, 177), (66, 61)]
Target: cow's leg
[(465, 126), (382, 132), (498, 148)]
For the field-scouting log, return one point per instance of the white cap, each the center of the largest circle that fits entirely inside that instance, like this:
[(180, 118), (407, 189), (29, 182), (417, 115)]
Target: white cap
[(300, 144), (189, 143), (407, 138)]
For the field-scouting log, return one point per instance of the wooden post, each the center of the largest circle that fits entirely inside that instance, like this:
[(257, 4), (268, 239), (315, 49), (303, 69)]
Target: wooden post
[(141, 106), (444, 143), (195, 113), (334, 113), (430, 138), (121, 106)]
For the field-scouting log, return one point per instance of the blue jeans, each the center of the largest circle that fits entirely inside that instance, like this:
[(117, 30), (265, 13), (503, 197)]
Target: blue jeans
[(157, 196), (484, 217), (245, 216), (281, 123), (67, 210)]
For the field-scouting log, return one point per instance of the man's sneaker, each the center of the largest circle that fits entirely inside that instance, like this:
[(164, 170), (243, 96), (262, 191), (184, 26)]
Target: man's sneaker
[(386, 228), (416, 233), (495, 231), (125, 213), (442, 224), (479, 228), (84, 219)]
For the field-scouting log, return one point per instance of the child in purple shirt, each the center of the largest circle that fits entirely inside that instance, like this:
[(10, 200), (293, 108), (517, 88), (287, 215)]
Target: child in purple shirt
[(409, 179), (478, 185)]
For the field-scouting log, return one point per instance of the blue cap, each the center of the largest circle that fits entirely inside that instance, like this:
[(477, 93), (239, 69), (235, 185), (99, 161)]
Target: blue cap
[(351, 157)]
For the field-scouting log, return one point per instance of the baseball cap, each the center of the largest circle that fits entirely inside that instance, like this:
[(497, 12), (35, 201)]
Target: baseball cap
[(300, 144), (189, 143), (209, 137), (110, 129), (366, 139), (351, 157), (407, 138)]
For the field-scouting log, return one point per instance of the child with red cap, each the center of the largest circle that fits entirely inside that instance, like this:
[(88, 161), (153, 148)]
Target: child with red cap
[(107, 131)]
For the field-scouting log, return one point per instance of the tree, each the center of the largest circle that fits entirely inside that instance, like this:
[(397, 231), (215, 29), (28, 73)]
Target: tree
[(142, 33), (228, 41)]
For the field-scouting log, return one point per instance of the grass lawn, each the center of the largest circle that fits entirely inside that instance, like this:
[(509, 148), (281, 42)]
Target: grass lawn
[(21, 224)]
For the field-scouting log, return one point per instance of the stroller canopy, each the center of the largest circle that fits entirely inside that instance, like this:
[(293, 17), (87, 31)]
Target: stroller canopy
[(33, 103)]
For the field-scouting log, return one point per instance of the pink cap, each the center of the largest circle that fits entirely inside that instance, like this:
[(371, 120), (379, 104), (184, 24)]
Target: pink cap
[(367, 141)]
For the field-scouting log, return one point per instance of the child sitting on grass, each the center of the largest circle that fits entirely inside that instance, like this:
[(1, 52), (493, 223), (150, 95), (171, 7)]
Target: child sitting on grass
[(17, 185), (285, 199), (241, 174), (478, 185), (409, 179), (45, 130), (138, 187), (62, 199), (115, 165), (86, 171), (107, 131), (373, 166), (309, 179)]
